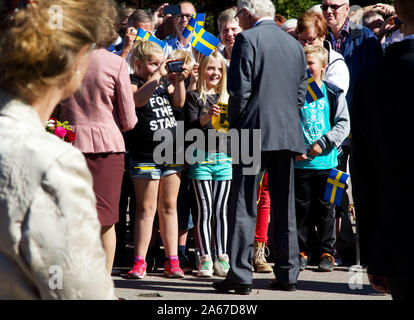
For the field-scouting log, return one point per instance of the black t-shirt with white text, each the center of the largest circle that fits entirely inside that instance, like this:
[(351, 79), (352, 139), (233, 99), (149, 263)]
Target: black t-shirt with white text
[(156, 114)]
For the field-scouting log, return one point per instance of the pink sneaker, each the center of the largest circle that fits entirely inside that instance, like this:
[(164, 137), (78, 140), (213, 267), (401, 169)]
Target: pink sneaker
[(138, 271), (172, 269)]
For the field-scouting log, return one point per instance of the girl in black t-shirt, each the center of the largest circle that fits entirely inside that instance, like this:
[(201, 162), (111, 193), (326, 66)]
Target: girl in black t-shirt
[(156, 185), (211, 174)]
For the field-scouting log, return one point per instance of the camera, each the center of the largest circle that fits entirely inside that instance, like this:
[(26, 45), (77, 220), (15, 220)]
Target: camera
[(175, 66), (397, 21), (175, 9)]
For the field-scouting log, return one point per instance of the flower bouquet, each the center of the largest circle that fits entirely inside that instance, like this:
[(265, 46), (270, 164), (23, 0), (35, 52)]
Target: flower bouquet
[(61, 129)]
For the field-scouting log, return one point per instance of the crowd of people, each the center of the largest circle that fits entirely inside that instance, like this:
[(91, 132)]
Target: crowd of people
[(67, 206)]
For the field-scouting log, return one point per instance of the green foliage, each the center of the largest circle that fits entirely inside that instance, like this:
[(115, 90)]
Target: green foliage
[(287, 8), (292, 9)]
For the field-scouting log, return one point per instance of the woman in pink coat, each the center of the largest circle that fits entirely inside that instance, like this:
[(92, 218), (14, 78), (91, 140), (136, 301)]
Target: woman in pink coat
[(99, 111)]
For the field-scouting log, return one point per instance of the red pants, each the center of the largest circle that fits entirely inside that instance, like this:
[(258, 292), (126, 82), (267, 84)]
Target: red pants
[(263, 211)]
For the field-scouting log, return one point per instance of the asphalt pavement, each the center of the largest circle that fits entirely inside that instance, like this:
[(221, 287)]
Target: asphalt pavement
[(344, 283)]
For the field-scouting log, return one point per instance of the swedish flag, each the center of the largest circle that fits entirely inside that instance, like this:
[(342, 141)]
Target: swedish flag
[(314, 92), (145, 35), (203, 41), (197, 18), (200, 18), (335, 186)]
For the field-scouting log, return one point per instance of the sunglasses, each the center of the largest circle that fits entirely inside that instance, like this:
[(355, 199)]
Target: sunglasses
[(334, 7)]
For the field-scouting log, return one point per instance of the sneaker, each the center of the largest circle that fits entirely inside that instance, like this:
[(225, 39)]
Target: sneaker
[(172, 269), (139, 269), (221, 266), (205, 269), (327, 262), (303, 261)]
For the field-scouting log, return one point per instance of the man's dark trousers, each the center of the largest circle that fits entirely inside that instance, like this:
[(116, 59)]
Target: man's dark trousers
[(242, 218)]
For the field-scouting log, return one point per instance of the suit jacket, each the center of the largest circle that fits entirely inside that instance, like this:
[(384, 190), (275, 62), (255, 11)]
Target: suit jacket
[(267, 84), (50, 236), (382, 116), (103, 106)]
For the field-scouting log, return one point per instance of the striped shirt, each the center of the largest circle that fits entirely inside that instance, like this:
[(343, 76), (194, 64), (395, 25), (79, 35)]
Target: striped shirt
[(343, 34)]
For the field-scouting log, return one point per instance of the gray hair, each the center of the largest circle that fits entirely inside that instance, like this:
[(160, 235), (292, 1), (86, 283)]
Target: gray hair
[(316, 9), (288, 24), (139, 16), (258, 8)]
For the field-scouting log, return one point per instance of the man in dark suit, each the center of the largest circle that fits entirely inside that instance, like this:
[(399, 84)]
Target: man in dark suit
[(267, 85), (381, 124)]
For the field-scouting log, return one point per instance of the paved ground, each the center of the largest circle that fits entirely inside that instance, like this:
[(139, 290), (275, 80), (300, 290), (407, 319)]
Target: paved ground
[(341, 284)]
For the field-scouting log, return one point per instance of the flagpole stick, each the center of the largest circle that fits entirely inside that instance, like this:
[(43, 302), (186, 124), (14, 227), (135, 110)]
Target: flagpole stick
[(355, 230)]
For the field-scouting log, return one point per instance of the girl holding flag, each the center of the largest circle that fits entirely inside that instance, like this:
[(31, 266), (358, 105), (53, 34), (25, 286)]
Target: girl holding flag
[(211, 177)]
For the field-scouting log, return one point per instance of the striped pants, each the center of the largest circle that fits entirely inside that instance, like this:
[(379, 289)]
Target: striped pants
[(211, 196)]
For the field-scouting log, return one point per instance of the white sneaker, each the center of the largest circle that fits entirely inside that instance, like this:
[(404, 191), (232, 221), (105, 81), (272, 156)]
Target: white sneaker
[(205, 269), (221, 266)]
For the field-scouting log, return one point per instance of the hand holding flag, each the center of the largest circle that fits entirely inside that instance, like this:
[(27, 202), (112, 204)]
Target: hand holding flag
[(314, 92)]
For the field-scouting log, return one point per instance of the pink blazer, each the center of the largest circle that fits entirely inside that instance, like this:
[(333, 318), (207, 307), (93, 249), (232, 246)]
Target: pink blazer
[(103, 107)]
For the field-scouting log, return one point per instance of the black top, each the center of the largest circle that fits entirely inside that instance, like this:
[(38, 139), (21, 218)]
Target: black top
[(157, 114), (194, 110), (382, 127)]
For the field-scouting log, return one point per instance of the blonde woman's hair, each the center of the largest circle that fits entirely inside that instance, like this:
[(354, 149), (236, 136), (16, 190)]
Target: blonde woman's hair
[(201, 82), (38, 48), (320, 53), (182, 55), (142, 51)]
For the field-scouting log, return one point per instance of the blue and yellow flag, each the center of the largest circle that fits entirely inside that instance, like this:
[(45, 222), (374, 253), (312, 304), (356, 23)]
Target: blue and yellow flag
[(197, 18), (335, 186), (200, 18), (145, 35), (203, 41), (314, 92)]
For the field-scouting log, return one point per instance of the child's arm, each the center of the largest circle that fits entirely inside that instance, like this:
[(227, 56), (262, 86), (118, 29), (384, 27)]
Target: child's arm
[(177, 90), (214, 110), (340, 128), (194, 77), (144, 93)]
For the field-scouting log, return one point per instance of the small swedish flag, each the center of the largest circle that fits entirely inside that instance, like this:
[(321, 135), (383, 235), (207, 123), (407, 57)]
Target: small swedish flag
[(203, 41), (145, 35), (197, 18), (314, 92), (335, 186)]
